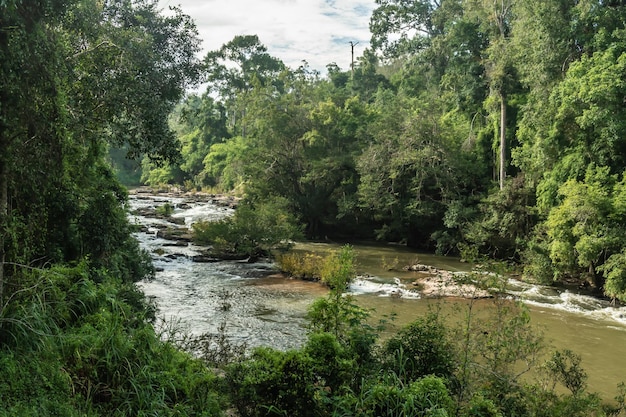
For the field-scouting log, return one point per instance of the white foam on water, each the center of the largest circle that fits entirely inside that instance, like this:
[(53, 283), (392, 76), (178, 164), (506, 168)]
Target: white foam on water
[(372, 285), (565, 300), (202, 211)]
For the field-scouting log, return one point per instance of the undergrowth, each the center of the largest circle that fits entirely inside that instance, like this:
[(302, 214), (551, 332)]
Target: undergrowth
[(70, 346)]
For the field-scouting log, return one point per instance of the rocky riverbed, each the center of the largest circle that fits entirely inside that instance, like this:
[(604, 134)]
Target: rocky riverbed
[(435, 282)]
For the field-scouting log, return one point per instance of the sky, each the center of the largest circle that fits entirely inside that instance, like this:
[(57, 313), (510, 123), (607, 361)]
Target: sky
[(317, 31)]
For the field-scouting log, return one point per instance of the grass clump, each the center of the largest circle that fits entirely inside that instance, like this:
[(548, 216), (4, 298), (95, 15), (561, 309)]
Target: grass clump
[(165, 210), (335, 269), (307, 266)]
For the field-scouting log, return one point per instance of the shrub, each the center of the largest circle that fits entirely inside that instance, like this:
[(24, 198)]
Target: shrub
[(421, 348), (273, 383), (253, 231), (426, 397), (303, 266), (480, 406), (336, 269), (165, 210), (332, 363), (564, 367), (71, 346), (34, 385)]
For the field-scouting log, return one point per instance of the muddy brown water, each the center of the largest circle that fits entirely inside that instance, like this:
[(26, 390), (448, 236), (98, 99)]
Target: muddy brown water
[(259, 307)]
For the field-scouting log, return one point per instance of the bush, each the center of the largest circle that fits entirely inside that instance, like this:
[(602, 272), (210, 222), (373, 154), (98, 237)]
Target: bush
[(332, 363), (165, 210), (273, 383), (253, 231), (336, 269), (564, 367), (303, 266), (480, 406), (34, 386), (71, 346), (426, 397), (422, 348)]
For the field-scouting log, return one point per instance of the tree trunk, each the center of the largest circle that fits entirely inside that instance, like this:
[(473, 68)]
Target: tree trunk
[(502, 140), (4, 167), (4, 213)]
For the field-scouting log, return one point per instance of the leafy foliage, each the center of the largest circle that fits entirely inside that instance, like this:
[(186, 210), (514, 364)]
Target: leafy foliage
[(422, 348), (73, 346), (273, 383), (253, 231), (301, 265)]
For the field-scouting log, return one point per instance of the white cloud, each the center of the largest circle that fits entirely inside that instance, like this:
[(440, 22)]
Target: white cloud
[(317, 31)]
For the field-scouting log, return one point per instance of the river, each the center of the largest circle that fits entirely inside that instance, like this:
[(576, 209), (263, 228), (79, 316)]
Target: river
[(261, 308)]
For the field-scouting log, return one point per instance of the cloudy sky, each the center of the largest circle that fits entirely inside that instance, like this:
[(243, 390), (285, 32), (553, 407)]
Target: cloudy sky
[(318, 31)]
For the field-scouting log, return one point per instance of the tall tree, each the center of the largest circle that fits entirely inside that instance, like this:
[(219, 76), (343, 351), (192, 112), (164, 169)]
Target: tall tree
[(233, 70), (401, 27), (304, 145), (495, 18), (31, 105), (545, 44), (74, 76)]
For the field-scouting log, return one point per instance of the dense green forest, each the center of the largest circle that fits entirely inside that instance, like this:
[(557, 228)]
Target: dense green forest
[(470, 127)]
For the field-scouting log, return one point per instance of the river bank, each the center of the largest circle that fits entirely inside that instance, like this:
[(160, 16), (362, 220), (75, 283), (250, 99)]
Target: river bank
[(430, 282), (259, 307), (453, 278)]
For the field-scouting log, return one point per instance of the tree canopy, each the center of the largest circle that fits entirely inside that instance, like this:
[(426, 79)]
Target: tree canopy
[(467, 126), (76, 77)]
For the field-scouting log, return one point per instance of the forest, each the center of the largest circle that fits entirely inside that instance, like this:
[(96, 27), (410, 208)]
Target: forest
[(474, 128)]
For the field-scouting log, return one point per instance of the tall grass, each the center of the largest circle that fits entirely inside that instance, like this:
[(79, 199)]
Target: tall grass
[(70, 346)]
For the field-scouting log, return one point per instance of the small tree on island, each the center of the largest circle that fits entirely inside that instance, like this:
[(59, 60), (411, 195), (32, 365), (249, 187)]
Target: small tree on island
[(252, 232)]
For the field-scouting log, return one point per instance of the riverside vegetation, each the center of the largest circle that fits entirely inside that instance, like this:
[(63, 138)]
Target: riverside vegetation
[(471, 134), (467, 126), (487, 364)]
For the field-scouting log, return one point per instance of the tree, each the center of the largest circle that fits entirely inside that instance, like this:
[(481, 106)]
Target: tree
[(543, 51), (31, 106), (253, 231), (400, 27), (304, 146), (75, 76), (585, 228), (413, 168), (234, 69), (199, 123), (551, 61), (494, 19), (506, 219), (449, 38)]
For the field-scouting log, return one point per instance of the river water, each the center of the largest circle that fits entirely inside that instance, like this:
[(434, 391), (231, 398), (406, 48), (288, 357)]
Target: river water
[(258, 307)]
